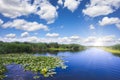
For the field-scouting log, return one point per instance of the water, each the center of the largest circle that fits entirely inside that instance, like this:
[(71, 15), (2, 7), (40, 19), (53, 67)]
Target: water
[(91, 64)]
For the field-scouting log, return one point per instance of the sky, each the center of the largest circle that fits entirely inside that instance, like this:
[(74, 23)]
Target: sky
[(85, 22)]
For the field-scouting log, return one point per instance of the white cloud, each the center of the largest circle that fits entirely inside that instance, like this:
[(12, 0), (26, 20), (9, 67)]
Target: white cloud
[(118, 40), (24, 25), (64, 40), (110, 21), (11, 35), (101, 7), (33, 39), (118, 25), (92, 27), (109, 38), (15, 8), (47, 12), (25, 34), (1, 21), (74, 37), (89, 41), (72, 5), (100, 41), (52, 35), (97, 11), (60, 2)]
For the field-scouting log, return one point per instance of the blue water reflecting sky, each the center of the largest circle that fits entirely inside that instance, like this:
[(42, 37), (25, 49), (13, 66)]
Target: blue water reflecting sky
[(91, 64)]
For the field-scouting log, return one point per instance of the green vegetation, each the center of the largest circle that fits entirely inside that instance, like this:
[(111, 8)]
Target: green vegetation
[(42, 64), (2, 70), (113, 49), (19, 47)]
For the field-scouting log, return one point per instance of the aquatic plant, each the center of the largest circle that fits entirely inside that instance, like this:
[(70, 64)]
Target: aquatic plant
[(38, 64), (2, 70)]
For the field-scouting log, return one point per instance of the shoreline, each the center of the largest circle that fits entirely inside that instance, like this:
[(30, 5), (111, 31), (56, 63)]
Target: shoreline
[(113, 51)]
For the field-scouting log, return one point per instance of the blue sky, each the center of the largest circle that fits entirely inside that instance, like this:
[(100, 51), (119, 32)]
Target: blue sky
[(86, 22)]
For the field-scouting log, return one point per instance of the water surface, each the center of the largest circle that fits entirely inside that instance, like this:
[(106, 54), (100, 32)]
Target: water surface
[(91, 64)]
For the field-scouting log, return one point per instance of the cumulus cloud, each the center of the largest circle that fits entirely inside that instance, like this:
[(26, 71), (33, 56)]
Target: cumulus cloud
[(52, 35), (24, 25), (47, 12), (97, 11), (72, 5), (25, 34), (33, 39), (108, 38), (100, 41), (11, 35), (92, 27), (64, 40), (60, 2), (74, 37), (118, 25), (110, 21), (89, 41), (119, 40), (101, 7), (17, 8), (1, 21)]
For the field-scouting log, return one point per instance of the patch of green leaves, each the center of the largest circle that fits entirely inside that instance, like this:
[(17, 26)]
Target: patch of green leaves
[(43, 64)]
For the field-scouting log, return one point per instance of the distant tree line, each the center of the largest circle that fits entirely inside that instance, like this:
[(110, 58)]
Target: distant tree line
[(116, 47), (20, 47)]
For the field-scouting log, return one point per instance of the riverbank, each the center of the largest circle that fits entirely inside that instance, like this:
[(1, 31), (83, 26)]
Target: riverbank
[(25, 47), (112, 50)]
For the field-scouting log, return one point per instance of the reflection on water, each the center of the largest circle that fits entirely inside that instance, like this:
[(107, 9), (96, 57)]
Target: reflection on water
[(16, 72), (91, 64)]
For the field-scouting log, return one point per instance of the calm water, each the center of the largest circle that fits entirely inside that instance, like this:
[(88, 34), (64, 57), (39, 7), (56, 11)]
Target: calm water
[(91, 64)]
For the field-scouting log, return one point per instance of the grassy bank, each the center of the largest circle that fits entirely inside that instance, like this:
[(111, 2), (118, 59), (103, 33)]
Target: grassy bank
[(114, 51), (42, 64)]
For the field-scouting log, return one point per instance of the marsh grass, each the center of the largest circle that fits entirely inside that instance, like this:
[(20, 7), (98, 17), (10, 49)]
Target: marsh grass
[(113, 51)]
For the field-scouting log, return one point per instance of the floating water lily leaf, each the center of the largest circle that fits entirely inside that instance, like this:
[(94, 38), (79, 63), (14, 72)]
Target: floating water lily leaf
[(43, 64)]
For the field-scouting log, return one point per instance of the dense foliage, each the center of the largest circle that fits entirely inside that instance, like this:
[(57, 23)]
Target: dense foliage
[(19, 47), (116, 47), (38, 64)]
